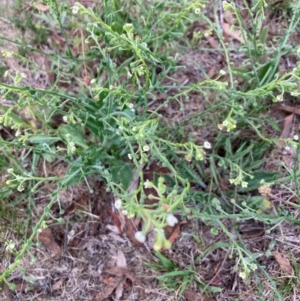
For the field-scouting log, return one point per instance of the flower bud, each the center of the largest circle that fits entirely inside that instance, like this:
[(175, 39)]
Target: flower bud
[(139, 236)]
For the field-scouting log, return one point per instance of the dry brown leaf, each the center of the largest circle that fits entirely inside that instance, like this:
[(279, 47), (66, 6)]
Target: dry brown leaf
[(212, 72), (229, 17), (284, 263), (175, 233), (213, 42), (108, 280), (58, 284), (288, 121), (120, 274), (80, 204), (116, 221), (108, 289), (289, 109), (120, 289), (191, 295), (41, 7), (235, 34), (47, 239), (121, 260)]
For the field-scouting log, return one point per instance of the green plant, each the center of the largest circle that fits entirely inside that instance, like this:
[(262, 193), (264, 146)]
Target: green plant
[(108, 129), (175, 278)]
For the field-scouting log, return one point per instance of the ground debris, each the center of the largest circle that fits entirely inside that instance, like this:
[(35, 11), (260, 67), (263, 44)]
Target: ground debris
[(120, 274), (284, 263), (47, 239)]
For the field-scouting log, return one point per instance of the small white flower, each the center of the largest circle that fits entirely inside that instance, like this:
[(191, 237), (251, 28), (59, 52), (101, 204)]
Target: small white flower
[(147, 184), (73, 149), (131, 106), (287, 148), (23, 75), (197, 11), (93, 81), (244, 184), (6, 73), (171, 220), (129, 156), (65, 119), (118, 203), (242, 275), (146, 148), (296, 137), (207, 145), (225, 122), (139, 236), (75, 10), (134, 129), (279, 98), (222, 72), (10, 170)]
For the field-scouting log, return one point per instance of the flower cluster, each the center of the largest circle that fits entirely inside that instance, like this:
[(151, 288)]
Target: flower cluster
[(17, 179), (157, 218), (6, 53), (198, 150), (264, 190), (229, 123), (238, 181)]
